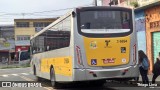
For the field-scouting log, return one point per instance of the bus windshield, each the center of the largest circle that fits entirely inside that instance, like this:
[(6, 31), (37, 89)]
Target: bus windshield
[(103, 21)]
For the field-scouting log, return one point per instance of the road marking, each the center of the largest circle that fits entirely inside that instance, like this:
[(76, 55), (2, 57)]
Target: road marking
[(15, 74), (25, 73), (4, 75), (29, 79), (25, 78), (48, 88)]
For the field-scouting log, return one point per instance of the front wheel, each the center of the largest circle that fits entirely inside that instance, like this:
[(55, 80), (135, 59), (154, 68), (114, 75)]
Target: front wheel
[(98, 83), (136, 79), (52, 78)]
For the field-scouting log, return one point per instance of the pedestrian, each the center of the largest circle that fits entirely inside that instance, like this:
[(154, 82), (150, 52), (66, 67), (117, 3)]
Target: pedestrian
[(156, 69), (143, 66)]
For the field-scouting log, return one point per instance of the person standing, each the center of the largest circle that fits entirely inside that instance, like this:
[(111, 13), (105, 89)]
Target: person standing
[(143, 66), (156, 69)]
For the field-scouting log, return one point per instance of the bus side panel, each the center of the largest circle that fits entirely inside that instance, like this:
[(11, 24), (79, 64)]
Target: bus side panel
[(78, 53), (62, 64)]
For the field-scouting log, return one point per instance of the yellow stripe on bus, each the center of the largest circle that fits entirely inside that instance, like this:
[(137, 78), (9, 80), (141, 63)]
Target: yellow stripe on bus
[(62, 65)]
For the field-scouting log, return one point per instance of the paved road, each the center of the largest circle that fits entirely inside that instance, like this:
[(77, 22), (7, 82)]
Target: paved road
[(23, 74)]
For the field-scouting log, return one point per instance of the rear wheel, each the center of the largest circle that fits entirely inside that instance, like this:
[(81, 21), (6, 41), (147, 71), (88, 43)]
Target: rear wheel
[(136, 79), (35, 73), (34, 70), (98, 83), (52, 78)]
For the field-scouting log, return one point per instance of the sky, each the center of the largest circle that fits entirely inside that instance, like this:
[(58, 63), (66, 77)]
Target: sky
[(15, 9)]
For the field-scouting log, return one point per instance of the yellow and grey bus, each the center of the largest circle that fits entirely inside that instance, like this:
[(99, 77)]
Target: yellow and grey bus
[(87, 44)]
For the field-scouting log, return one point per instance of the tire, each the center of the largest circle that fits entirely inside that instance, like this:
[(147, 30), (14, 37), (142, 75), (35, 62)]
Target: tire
[(34, 70), (35, 73), (53, 79), (136, 79), (98, 83)]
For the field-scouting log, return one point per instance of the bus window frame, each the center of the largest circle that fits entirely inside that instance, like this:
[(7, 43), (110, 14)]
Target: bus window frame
[(78, 10)]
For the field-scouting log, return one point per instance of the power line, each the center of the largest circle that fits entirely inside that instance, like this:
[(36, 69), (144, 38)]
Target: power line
[(41, 14), (56, 10)]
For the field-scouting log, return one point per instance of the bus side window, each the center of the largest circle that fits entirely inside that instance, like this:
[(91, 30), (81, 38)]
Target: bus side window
[(33, 50), (125, 22), (86, 25), (47, 48)]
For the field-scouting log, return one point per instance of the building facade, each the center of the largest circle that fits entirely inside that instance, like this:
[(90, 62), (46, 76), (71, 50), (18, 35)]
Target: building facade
[(25, 28), (7, 43), (141, 30), (140, 3), (118, 2), (153, 32), (147, 20), (148, 31)]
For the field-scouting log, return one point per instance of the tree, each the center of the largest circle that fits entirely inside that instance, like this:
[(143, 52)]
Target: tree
[(135, 4)]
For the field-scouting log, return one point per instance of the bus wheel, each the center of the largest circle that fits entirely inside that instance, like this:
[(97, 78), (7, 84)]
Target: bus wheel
[(136, 79), (98, 83), (34, 70), (52, 78), (35, 73)]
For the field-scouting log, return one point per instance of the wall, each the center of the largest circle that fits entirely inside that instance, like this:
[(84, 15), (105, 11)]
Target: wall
[(146, 2), (152, 25), (105, 2), (29, 30), (24, 31), (7, 37), (140, 28)]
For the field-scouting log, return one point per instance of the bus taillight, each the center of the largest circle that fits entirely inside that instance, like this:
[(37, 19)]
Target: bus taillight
[(79, 55), (134, 54)]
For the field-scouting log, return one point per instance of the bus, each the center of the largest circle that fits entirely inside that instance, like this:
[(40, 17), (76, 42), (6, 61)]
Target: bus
[(23, 57), (87, 44)]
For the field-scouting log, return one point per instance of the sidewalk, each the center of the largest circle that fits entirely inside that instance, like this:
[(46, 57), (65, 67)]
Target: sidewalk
[(6, 65), (13, 65), (150, 78)]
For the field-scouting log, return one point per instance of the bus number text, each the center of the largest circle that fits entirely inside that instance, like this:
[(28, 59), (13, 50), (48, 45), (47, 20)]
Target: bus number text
[(121, 41)]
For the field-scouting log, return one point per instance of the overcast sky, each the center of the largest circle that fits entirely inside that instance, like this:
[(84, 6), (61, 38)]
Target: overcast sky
[(10, 9)]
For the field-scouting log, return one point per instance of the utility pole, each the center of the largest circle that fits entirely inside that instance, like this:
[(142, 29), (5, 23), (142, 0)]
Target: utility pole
[(95, 2)]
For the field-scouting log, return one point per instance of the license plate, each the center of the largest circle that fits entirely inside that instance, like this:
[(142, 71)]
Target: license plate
[(106, 61)]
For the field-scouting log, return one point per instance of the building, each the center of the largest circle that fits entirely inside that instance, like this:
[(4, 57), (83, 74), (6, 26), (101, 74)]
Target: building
[(147, 19), (119, 2), (152, 29), (25, 28), (135, 3), (7, 43)]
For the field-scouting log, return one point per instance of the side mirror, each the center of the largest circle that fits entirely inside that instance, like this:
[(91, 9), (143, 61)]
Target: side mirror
[(73, 14)]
